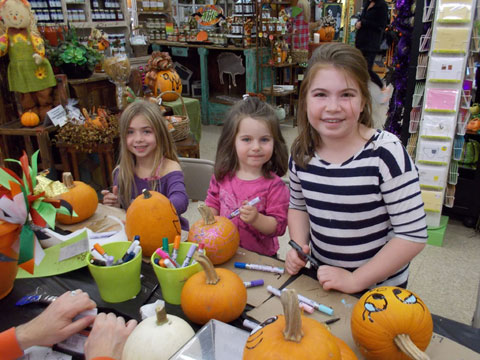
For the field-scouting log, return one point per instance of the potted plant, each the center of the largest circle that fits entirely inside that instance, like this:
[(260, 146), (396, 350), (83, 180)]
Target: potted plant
[(75, 59)]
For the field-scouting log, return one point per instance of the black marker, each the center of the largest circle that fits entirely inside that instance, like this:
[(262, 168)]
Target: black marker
[(300, 252)]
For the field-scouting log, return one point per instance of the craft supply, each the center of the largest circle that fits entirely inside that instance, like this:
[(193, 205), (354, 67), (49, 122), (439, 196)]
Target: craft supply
[(98, 262), (192, 249), (305, 307), (267, 268), (131, 248), (176, 245), (169, 264), (37, 298), (303, 255), (253, 283), (249, 324), (165, 256), (331, 321), (165, 244), (251, 203), (201, 248), (320, 307), (132, 255)]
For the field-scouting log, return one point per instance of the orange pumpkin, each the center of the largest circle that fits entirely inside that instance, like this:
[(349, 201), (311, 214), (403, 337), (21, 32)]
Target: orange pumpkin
[(218, 233), (345, 351), (213, 294), (291, 336), (82, 197), (152, 216), (29, 119), (168, 80), (389, 323), (326, 33)]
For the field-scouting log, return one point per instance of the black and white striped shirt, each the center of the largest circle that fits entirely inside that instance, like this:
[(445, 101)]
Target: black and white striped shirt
[(357, 206)]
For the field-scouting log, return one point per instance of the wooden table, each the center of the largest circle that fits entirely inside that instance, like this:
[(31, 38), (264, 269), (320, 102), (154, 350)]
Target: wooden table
[(41, 132), (188, 147)]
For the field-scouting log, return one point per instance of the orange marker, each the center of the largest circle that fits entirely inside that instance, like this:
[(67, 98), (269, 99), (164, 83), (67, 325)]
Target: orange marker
[(176, 246)]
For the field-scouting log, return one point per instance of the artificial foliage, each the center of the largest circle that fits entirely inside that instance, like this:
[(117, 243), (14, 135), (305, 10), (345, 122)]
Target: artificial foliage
[(403, 25), (20, 204)]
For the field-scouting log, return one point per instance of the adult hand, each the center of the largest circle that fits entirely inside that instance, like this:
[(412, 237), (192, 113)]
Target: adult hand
[(108, 336), (111, 198), (358, 24), (293, 262), (248, 213), (55, 323), (331, 277)]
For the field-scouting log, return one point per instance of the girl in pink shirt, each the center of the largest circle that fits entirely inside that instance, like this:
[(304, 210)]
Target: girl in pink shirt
[(251, 158)]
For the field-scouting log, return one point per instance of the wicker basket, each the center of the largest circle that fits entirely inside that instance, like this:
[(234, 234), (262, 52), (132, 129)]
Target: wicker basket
[(180, 124), (299, 56)]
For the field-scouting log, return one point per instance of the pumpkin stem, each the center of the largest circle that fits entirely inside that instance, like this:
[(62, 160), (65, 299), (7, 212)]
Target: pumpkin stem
[(210, 273), (161, 314), (206, 213), (146, 194), (67, 179), (293, 321), (406, 345)]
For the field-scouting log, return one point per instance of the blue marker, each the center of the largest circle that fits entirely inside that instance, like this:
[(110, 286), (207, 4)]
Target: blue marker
[(132, 254), (251, 203), (132, 247), (192, 249)]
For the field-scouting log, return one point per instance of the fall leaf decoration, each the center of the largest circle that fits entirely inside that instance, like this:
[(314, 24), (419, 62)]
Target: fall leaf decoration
[(159, 61)]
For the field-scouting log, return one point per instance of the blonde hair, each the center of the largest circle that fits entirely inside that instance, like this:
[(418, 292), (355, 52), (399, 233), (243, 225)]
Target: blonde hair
[(126, 163), (351, 62), (226, 160)]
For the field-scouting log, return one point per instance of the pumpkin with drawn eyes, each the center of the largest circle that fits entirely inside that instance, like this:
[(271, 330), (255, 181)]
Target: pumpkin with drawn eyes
[(152, 216), (391, 323), (292, 336)]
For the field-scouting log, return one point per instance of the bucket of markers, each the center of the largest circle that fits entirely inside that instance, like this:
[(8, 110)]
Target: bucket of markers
[(117, 283), (171, 280)]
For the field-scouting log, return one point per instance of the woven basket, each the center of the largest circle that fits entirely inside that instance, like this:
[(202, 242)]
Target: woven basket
[(180, 124), (299, 56)]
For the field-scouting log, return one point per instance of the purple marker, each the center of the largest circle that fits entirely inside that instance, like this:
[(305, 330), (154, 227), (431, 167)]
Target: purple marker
[(192, 249), (253, 283), (237, 211), (165, 255)]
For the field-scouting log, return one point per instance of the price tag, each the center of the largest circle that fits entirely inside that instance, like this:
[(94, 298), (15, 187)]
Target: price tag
[(58, 115)]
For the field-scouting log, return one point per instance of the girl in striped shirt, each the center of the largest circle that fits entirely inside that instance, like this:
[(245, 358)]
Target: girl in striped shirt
[(355, 200)]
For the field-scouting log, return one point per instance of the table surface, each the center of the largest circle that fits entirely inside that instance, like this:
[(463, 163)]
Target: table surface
[(12, 315)]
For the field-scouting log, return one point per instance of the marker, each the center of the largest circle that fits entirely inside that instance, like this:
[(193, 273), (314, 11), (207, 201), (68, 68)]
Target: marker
[(132, 255), (176, 246), (169, 264), (192, 249), (305, 307), (109, 259), (132, 247), (165, 244), (159, 262), (253, 283), (201, 248), (98, 262), (331, 321), (267, 268), (320, 307), (165, 255), (96, 255), (251, 203), (249, 324), (306, 257)]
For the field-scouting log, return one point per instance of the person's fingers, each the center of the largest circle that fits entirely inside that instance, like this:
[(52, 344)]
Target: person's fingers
[(104, 192), (115, 190), (80, 324)]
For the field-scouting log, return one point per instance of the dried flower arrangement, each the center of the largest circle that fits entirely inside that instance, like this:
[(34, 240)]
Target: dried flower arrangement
[(99, 128)]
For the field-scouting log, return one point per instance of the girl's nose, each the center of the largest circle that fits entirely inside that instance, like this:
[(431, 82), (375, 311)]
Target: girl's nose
[(332, 104)]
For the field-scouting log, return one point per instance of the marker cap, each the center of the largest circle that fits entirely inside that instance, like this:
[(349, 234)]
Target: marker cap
[(240, 265)]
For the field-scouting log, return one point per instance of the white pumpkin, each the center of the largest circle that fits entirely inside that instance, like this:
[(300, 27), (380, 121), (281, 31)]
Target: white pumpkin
[(157, 337)]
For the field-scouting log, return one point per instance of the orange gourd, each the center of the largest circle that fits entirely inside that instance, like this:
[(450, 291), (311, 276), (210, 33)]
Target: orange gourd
[(218, 233), (82, 197), (291, 336), (30, 119), (326, 33), (389, 323), (345, 352), (213, 294), (168, 80), (152, 216)]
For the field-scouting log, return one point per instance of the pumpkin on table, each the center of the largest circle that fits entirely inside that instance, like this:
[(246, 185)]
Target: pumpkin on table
[(82, 197), (391, 323), (293, 336), (213, 294), (30, 119), (157, 337), (219, 234), (152, 217)]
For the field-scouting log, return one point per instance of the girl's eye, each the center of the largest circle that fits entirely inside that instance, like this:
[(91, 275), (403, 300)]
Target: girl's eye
[(147, 131), (320, 95), (348, 95), (129, 132), (246, 139), (266, 139)]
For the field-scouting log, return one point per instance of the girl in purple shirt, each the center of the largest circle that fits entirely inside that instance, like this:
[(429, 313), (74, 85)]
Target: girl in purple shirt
[(251, 158), (147, 160)]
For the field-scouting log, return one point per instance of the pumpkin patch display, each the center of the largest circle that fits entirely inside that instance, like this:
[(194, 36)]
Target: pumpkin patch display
[(213, 294), (30, 119), (391, 323), (152, 216), (292, 336), (82, 197), (219, 234), (157, 337)]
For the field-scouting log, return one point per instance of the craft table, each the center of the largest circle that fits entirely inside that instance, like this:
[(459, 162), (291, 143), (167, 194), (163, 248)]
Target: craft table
[(194, 114), (41, 132)]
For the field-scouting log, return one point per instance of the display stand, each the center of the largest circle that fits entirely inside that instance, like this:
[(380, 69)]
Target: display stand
[(442, 99)]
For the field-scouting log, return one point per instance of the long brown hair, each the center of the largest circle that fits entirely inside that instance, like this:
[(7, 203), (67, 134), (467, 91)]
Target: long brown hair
[(347, 59), (226, 160), (126, 162)]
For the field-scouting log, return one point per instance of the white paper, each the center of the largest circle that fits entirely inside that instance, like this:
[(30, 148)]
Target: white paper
[(58, 115)]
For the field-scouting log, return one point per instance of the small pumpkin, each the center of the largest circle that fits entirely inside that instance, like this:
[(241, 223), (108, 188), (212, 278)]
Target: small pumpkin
[(168, 80), (30, 119), (345, 351), (391, 323), (219, 234), (213, 294), (326, 33), (157, 337), (82, 197), (291, 336), (152, 216)]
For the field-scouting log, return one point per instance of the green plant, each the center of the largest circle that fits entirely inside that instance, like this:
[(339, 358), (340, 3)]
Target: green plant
[(72, 51)]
